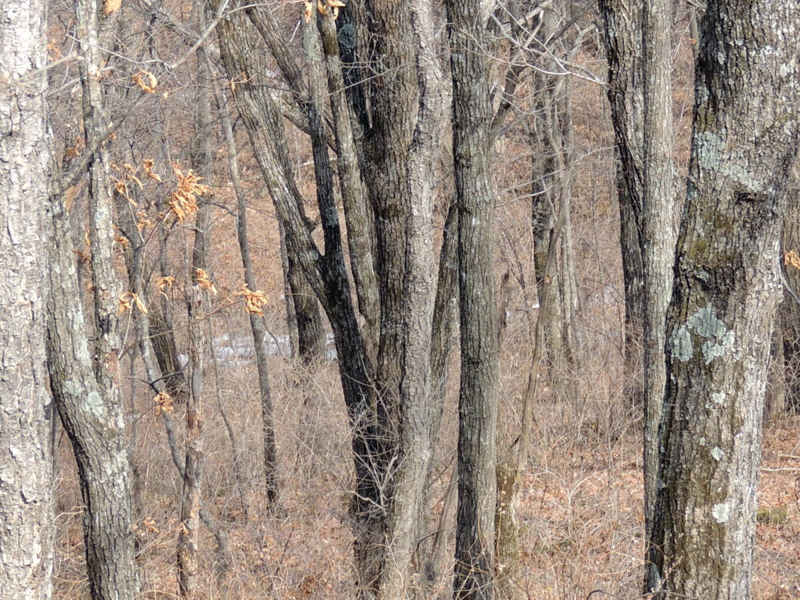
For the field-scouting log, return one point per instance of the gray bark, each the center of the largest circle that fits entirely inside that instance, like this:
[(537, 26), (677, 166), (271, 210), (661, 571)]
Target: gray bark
[(658, 236), (472, 113), (95, 425), (85, 381), (26, 537), (726, 288)]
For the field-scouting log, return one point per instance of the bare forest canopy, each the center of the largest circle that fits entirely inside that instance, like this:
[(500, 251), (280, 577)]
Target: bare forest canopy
[(390, 299)]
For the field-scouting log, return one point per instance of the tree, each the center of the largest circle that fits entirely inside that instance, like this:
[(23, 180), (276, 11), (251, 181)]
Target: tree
[(385, 165), (477, 405), (623, 42), (84, 378), (719, 324), (26, 413), (658, 236)]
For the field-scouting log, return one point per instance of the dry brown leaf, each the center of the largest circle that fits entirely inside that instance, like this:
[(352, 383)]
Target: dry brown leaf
[(183, 201), (307, 11), (255, 301), (112, 6), (146, 81), (147, 165), (128, 300), (76, 149), (142, 221), (163, 403), (204, 281), (164, 282), (791, 258)]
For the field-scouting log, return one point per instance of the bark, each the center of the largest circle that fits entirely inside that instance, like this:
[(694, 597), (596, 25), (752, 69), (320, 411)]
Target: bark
[(726, 288), (95, 425), (479, 354), (189, 530), (623, 41), (96, 33), (432, 548), (545, 190), (26, 539), (416, 406), (360, 227), (85, 381), (291, 314), (257, 326), (791, 309), (658, 237)]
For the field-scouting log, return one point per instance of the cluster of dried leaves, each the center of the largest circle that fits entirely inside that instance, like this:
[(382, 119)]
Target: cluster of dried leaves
[(183, 201)]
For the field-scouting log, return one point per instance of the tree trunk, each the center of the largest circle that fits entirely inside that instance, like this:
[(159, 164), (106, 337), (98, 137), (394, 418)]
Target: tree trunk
[(26, 537), (658, 237), (325, 273), (726, 288), (95, 426), (86, 383), (474, 572), (419, 287), (791, 308), (257, 327), (196, 295), (623, 41)]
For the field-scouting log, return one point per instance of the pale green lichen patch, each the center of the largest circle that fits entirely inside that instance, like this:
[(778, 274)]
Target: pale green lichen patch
[(706, 325), (717, 453), (94, 402), (682, 348), (718, 397), (721, 512)]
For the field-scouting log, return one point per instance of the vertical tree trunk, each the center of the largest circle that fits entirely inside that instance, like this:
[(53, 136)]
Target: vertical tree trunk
[(658, 237), (86, 385), (95, 426), (189, 530), (291, 314), (26, 539), (257, 327), (744, 147), (196, 295), (623, 41), (416, 406), (474, 573)]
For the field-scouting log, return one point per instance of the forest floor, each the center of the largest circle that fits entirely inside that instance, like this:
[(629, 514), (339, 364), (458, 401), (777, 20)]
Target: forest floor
[(580, 511)]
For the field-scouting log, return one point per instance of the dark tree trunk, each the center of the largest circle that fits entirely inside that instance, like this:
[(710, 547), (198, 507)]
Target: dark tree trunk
[(726, 288), (472, 114), (26, 414), (623, 41)]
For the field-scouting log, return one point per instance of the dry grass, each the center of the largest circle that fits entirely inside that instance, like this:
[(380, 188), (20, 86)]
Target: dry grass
[(580, 510)]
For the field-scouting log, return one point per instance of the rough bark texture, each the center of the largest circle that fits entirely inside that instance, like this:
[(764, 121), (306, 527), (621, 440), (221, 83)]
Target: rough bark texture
[(623, 41), (85, 381), (26, 553), (544, 190), (197, 300), (658, 236), (416, 407), (790, 313), (744, 147), (474, 572), (95, 426)]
